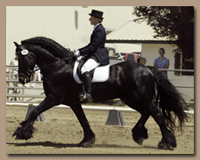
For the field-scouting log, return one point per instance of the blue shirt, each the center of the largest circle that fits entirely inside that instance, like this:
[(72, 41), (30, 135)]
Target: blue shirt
[(162, 64)]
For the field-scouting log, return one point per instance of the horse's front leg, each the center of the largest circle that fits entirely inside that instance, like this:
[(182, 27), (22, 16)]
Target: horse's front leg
[(25, 131), (89, 137)]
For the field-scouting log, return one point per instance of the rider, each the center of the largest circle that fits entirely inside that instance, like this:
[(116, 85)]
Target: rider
[(95, 52)]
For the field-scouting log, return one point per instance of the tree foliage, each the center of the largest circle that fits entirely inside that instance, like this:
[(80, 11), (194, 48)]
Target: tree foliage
[(172, 23)]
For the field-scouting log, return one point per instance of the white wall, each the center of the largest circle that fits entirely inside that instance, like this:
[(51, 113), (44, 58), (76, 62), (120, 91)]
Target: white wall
[(58, 23)]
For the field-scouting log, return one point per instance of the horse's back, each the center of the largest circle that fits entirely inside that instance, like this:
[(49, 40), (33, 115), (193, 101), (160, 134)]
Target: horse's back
[(131, 71), (133, 78)]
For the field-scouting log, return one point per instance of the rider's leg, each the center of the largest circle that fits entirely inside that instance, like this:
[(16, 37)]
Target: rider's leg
[(89, 65), (88, 86)]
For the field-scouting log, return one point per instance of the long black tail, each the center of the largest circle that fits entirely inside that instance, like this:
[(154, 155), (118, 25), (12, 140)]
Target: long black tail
[(172, 103)]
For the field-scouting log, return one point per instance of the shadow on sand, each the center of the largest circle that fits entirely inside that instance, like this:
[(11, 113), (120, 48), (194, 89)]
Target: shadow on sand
[(71, 145)]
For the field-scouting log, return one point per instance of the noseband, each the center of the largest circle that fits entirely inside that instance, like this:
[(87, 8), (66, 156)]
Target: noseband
[(27, 68)]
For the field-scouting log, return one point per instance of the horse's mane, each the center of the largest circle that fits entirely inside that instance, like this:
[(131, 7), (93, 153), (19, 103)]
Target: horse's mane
[(50, 45)]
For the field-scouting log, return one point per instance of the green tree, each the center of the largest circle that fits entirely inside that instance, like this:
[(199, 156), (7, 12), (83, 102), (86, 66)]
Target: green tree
[(174, 23)]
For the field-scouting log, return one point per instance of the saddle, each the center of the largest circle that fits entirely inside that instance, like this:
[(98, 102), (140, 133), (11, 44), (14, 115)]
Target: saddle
[(99, 74)]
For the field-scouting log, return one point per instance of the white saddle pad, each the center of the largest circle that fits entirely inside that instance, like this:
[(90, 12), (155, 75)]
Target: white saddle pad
[(101, 74)]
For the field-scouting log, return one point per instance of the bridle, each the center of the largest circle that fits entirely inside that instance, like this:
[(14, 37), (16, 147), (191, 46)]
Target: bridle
[(29, 71)]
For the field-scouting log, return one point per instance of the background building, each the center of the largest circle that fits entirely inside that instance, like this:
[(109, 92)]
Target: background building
[(68, 25)]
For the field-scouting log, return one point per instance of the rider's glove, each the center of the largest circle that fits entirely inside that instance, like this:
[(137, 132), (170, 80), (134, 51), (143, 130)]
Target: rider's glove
[(76, 53)]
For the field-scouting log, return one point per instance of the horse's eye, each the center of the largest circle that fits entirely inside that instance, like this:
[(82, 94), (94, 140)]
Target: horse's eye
[(24, 52)]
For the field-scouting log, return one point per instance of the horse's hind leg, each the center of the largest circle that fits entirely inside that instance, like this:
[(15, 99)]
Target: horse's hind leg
[(168, 141), (89, 137), (139, 132)]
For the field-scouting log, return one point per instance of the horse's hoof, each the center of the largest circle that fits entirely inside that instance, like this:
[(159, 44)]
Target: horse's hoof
[(168, 143), (140, 141), (165, 146), (87, 143), (20, 133), (139, 135)]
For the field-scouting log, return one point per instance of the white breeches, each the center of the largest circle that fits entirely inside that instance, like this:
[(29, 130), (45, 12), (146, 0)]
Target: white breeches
[(89, 65)]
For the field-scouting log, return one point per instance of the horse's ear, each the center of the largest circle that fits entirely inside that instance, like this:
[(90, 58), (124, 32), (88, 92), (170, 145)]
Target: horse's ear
[(16, 44)]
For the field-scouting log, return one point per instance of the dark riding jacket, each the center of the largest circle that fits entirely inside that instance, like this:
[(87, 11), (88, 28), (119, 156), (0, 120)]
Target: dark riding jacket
[(96, 47)]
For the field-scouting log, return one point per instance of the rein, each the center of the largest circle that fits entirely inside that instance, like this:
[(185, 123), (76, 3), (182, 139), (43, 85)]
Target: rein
[(49, 64), (28, 70)]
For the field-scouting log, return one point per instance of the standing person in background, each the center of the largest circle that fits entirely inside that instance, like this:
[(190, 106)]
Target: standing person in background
[(13, 75), (162, 62)]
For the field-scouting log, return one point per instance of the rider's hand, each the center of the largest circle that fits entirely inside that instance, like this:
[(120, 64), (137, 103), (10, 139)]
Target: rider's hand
[(76, 53)]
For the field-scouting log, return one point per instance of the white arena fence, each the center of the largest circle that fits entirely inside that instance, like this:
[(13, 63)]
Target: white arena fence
[(34, 95)]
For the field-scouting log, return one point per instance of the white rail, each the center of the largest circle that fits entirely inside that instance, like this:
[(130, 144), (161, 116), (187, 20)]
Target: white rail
[(177, 70), (87, 107)]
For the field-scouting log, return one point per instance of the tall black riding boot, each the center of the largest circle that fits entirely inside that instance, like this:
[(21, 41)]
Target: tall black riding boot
[(88, 86)]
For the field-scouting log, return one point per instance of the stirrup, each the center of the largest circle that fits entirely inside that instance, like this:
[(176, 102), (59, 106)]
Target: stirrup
[(86, 96), (82, 97), (89, 98)]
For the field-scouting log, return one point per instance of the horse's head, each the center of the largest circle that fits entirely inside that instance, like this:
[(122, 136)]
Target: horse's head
[(27, 61)]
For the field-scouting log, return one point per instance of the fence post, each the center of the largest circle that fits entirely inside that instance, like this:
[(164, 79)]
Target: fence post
[(39, 118), (115, 118)]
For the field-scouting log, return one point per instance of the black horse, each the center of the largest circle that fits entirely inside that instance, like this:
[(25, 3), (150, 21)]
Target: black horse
[(135, 84)]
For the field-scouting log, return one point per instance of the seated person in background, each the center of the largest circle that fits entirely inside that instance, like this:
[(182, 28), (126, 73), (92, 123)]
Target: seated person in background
[(36, 75), (141, 60)]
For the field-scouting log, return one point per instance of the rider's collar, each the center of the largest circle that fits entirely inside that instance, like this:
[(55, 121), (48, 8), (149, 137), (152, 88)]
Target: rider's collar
[(96, 25)]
